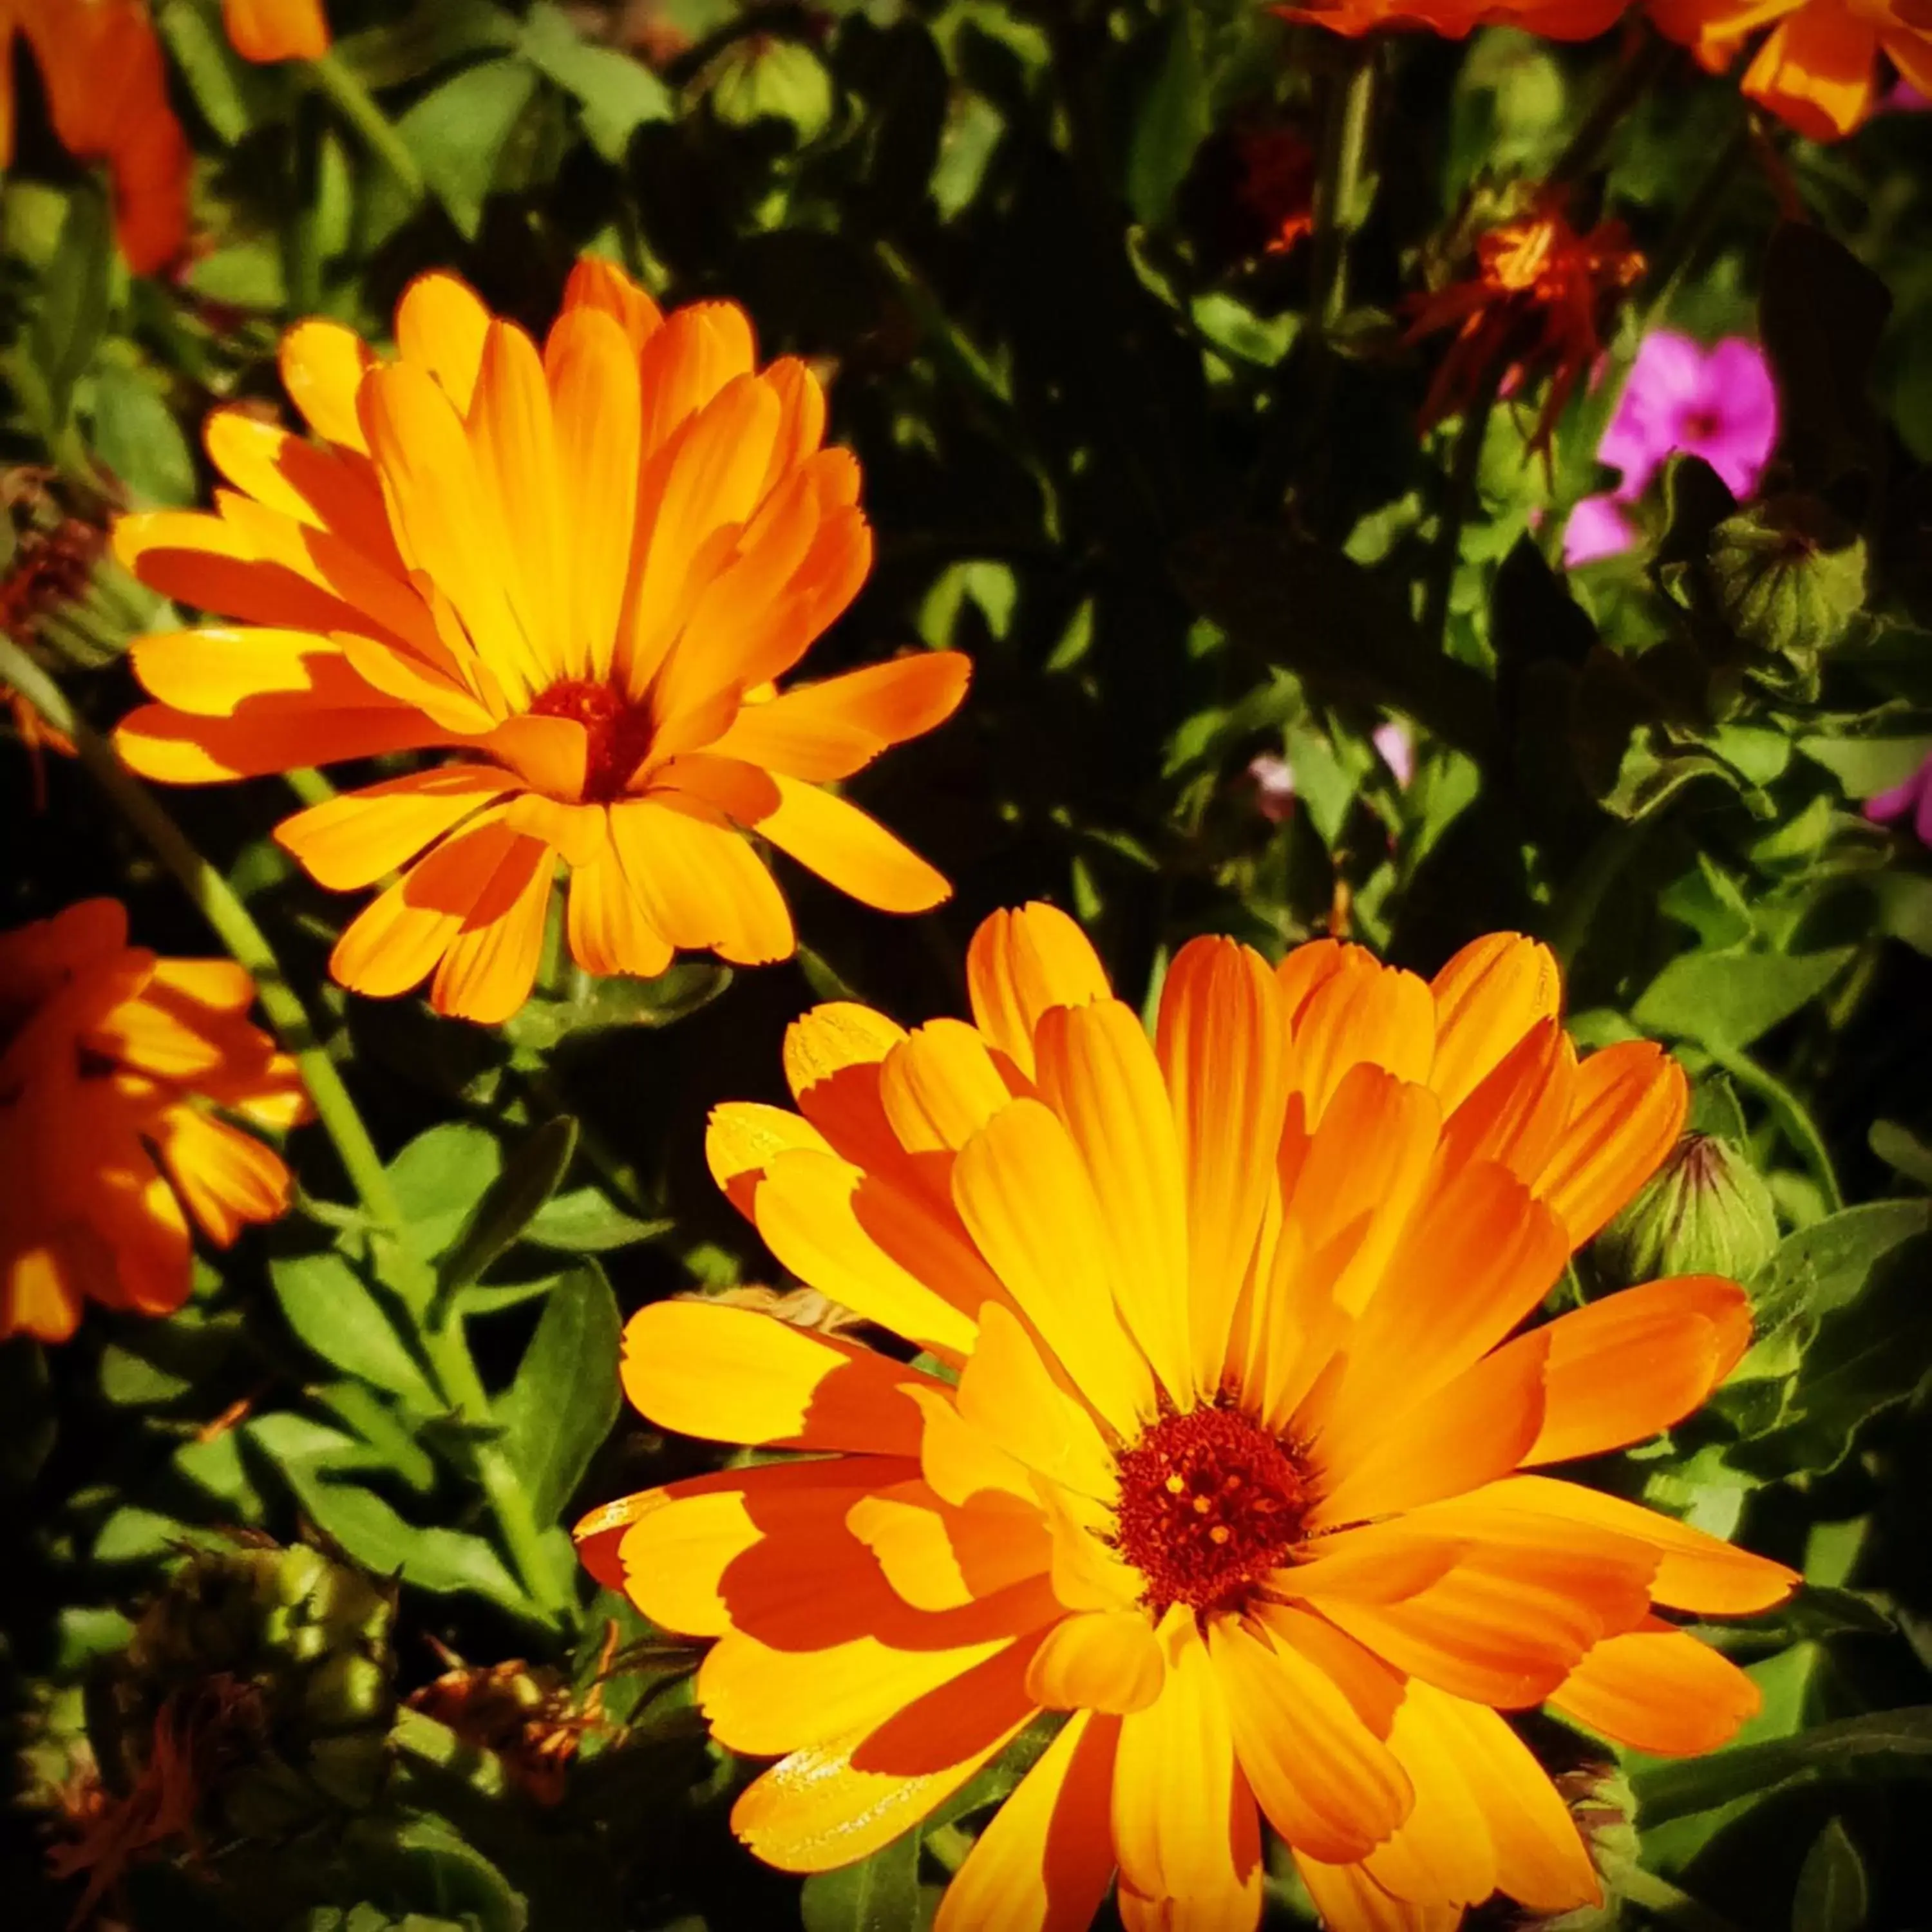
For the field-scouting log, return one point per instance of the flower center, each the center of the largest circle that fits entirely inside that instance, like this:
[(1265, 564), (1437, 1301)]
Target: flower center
[(1701, 425), (1209, 1504), (618, 733)]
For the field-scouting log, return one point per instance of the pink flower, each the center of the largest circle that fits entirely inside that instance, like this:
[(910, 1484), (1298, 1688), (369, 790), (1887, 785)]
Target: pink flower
[(1398, 751), (1719, 403), (1597, 527), (1272, 778), (1914, 796)]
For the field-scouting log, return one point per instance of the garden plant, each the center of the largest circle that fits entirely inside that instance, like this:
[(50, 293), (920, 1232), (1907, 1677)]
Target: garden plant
[(966, 964)]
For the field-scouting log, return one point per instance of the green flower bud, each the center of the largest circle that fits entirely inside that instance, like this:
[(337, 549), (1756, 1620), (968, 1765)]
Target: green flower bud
[(1704, 1211), (1789, 577), (256, 1691)]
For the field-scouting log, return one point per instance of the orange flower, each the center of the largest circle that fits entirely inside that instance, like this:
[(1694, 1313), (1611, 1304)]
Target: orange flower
[(111, 1059), (580, 570), (108, 95), (1535, 306), (1241, 1468), (1554, 19), (277, 30), (1817, 68)]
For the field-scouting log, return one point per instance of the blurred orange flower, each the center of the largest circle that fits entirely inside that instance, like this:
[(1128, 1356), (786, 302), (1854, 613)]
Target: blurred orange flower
[(277, 30), (112, 1060), (1554, 19), (1241, 1468), (580, 569), (1818, 66), (1534, 307), (108, 96)]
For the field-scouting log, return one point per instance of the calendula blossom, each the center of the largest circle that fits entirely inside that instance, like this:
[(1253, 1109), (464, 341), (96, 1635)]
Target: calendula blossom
[(576, 574), (107, 96), (118, 1070), (1818, 65), (1554, 19), (1234, 1445), (277, 30)]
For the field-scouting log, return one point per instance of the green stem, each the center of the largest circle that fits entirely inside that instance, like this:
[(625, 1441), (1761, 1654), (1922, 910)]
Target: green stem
[(1338, 211), (233, 923), (447, 1350), (1675, 1906), (1575, 912), (358, 106), (444, 1346)]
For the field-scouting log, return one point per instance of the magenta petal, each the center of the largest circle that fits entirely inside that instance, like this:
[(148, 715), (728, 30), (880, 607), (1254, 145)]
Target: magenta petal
[(1596, 528), (1922, 821), (1742, 399), (1667, 377), (1889, 805)]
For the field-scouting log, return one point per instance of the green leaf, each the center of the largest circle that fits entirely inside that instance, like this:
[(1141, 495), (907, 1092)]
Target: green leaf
[(528, 1179), (616, 93), (1902, 1150), (445, 1562), (1173, 122), (417, 1867), (329, 1306), (540, 1024), (1826, 1266), (1866, 765), (1889, 1743), (136, 435), (1832, 1894), (880, 1893), (74, 294), (584, 1222), (440, 1177), (458, 132), (1732, 998), (232, 95), (557, 1412)]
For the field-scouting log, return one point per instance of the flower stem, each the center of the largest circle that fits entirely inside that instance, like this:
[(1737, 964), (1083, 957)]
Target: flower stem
[(444, 1344), (1465, 461), (358, 106), (233, 923), (1642, 65)]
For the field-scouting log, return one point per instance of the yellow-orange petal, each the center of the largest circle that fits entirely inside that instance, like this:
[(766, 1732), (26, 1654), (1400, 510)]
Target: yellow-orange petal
[(1106, 1660), (830, 1804), (939, 1087), (939, 1557), (734, 1375), (1046, 1859), (700, 885), (322, 365), (964, 1464), (1633, 1363), (224, 1176), (491, 965), (608, 929), (1185, 1830), (1348, 1899), (744, 1136), (1695, 1571), (440, 327), (1627, 1108), (1658, 1689), (1221, 1039), (1024, 1195), (1467, 1433), (1816, 70), (353, 839), (1019, 966), (1526, 1596), (1362, 1010), (1327, 1783), (1487, 997), (804, 1209), (687, 1554), (277, 30), (1096, 1070), (1007, 1393), (1517, 1115), (600, 285), (815, 732)]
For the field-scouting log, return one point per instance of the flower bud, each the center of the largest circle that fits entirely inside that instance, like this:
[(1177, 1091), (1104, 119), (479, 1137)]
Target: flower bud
[(1704, 1211)]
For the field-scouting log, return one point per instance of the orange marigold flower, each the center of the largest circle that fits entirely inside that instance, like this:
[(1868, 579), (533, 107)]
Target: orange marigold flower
[(1554, 19), (277, 30), (580, 570), (113, 1061), (1535, 306), (1818, 66), (1242, 1468), (107, 93)]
